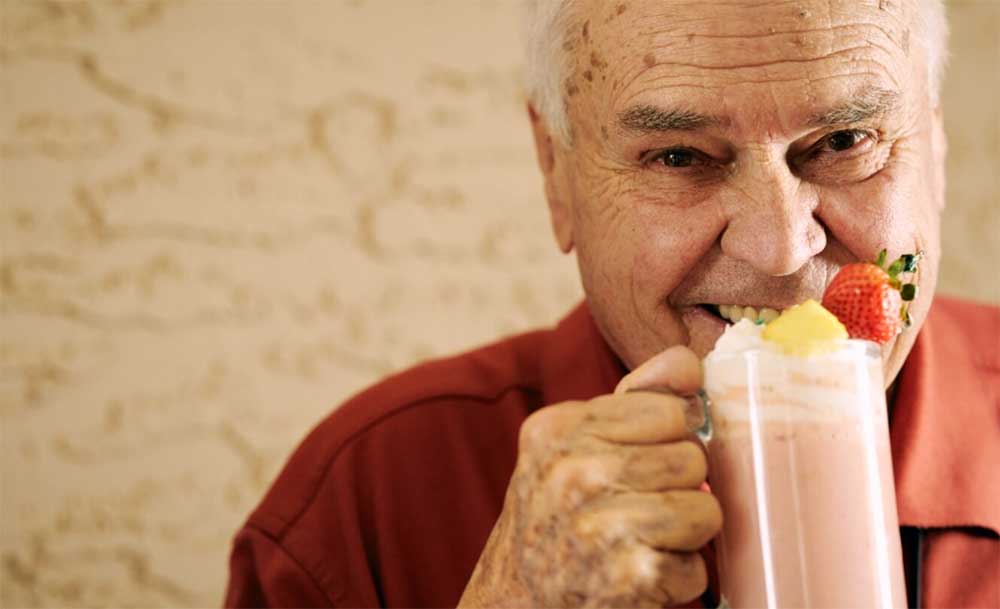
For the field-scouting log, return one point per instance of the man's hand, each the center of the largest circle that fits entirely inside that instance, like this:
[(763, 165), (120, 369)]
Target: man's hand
[(603, 508)]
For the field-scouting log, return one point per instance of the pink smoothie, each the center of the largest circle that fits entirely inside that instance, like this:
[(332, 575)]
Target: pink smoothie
[(800, 462)]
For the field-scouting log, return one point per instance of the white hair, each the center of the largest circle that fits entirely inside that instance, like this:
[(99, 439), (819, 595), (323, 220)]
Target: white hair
[(549, 56)]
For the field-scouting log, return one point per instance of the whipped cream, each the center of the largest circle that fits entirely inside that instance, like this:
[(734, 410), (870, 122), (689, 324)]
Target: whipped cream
[(816, 386), (741, 336)]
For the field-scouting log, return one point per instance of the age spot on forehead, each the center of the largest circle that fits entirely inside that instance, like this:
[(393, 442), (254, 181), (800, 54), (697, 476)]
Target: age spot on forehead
[(571, 87), (597, 61), (617, 12), (649, 59), (585, 33)]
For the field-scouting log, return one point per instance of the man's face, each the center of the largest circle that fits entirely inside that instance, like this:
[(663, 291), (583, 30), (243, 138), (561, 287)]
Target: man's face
[(739, 154)]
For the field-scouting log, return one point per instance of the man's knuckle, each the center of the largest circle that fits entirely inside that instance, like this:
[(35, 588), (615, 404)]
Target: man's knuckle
[(572, 480), (663, 466), (666, 577), (587, 526), (643, 568), (540, 427)]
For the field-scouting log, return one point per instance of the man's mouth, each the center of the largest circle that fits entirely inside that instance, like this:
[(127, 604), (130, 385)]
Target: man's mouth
[(732, 313)]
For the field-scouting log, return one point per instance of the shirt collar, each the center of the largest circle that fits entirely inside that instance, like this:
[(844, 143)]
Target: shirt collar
[(945, 430), (577, 363)]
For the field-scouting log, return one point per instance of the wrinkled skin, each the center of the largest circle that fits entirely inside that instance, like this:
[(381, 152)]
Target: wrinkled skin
[(604, 509), (776, 182)]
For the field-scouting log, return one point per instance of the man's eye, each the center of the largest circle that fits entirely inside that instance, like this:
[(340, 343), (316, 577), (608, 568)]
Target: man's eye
[(677, 157), (840, 141), (842, 157)]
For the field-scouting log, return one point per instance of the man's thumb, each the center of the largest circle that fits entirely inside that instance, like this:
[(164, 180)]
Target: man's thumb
[(676, 369)]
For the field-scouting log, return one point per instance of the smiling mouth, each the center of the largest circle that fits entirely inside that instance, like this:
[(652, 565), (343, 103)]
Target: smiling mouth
[(732, 313)]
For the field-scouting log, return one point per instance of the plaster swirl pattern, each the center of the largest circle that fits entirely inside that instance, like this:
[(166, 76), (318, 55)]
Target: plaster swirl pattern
[(221, 219)]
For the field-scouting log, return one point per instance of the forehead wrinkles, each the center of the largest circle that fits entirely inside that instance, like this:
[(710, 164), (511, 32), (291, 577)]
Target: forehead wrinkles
[(712, 45)]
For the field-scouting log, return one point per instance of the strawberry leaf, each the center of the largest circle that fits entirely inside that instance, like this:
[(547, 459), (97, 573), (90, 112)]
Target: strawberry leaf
[(880, 261), (895, 268)]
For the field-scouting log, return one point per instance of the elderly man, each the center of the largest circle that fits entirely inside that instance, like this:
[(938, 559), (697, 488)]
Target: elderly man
[(695, 154)]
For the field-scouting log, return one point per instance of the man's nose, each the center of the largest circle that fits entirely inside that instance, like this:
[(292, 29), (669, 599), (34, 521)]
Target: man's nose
[(771, 225)]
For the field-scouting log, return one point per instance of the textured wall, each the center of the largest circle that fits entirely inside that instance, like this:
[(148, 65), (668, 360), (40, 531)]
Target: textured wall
[(219, 219)]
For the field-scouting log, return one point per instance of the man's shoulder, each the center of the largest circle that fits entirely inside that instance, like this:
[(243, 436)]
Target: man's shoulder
[(433, 411), (480, 374), (970, 327)]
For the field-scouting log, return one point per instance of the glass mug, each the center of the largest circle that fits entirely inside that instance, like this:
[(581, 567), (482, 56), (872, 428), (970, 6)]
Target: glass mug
[(799, 458)]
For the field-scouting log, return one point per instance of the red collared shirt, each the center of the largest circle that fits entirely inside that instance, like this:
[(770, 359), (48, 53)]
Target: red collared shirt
[(389, 501), (945, 433)]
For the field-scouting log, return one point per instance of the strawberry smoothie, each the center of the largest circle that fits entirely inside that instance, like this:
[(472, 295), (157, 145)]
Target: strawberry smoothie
[(799, 459)]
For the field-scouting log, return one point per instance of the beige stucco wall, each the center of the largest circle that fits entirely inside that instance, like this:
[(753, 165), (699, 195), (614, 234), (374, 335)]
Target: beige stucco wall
[(219, 219)]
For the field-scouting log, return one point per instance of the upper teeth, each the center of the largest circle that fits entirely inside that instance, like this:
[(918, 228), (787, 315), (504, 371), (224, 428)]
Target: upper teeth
[(734, 313)]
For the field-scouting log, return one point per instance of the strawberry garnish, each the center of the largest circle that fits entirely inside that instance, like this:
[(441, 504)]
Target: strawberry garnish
[(871, 300)]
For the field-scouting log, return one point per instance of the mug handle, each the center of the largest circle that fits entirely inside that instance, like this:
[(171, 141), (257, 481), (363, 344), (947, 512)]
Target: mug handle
[(699, 421), (699, 415)]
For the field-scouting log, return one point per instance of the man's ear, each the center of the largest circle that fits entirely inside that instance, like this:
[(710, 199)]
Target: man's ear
[(939, 142), (559, 212)]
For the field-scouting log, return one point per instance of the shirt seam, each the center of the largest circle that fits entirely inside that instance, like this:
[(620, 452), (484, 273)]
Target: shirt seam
[(279, 544), (286, 524)]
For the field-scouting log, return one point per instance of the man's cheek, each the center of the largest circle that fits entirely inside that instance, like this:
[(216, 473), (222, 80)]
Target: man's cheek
[(602, 213), (682, 236), (660, 262), (878, 213)]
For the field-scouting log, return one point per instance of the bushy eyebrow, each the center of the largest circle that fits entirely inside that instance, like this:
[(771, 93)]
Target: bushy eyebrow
[(650, 119), (868, 103)]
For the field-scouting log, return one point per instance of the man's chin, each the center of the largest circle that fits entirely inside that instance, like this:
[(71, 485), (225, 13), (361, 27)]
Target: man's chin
[(703, 329), (692, 326)]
